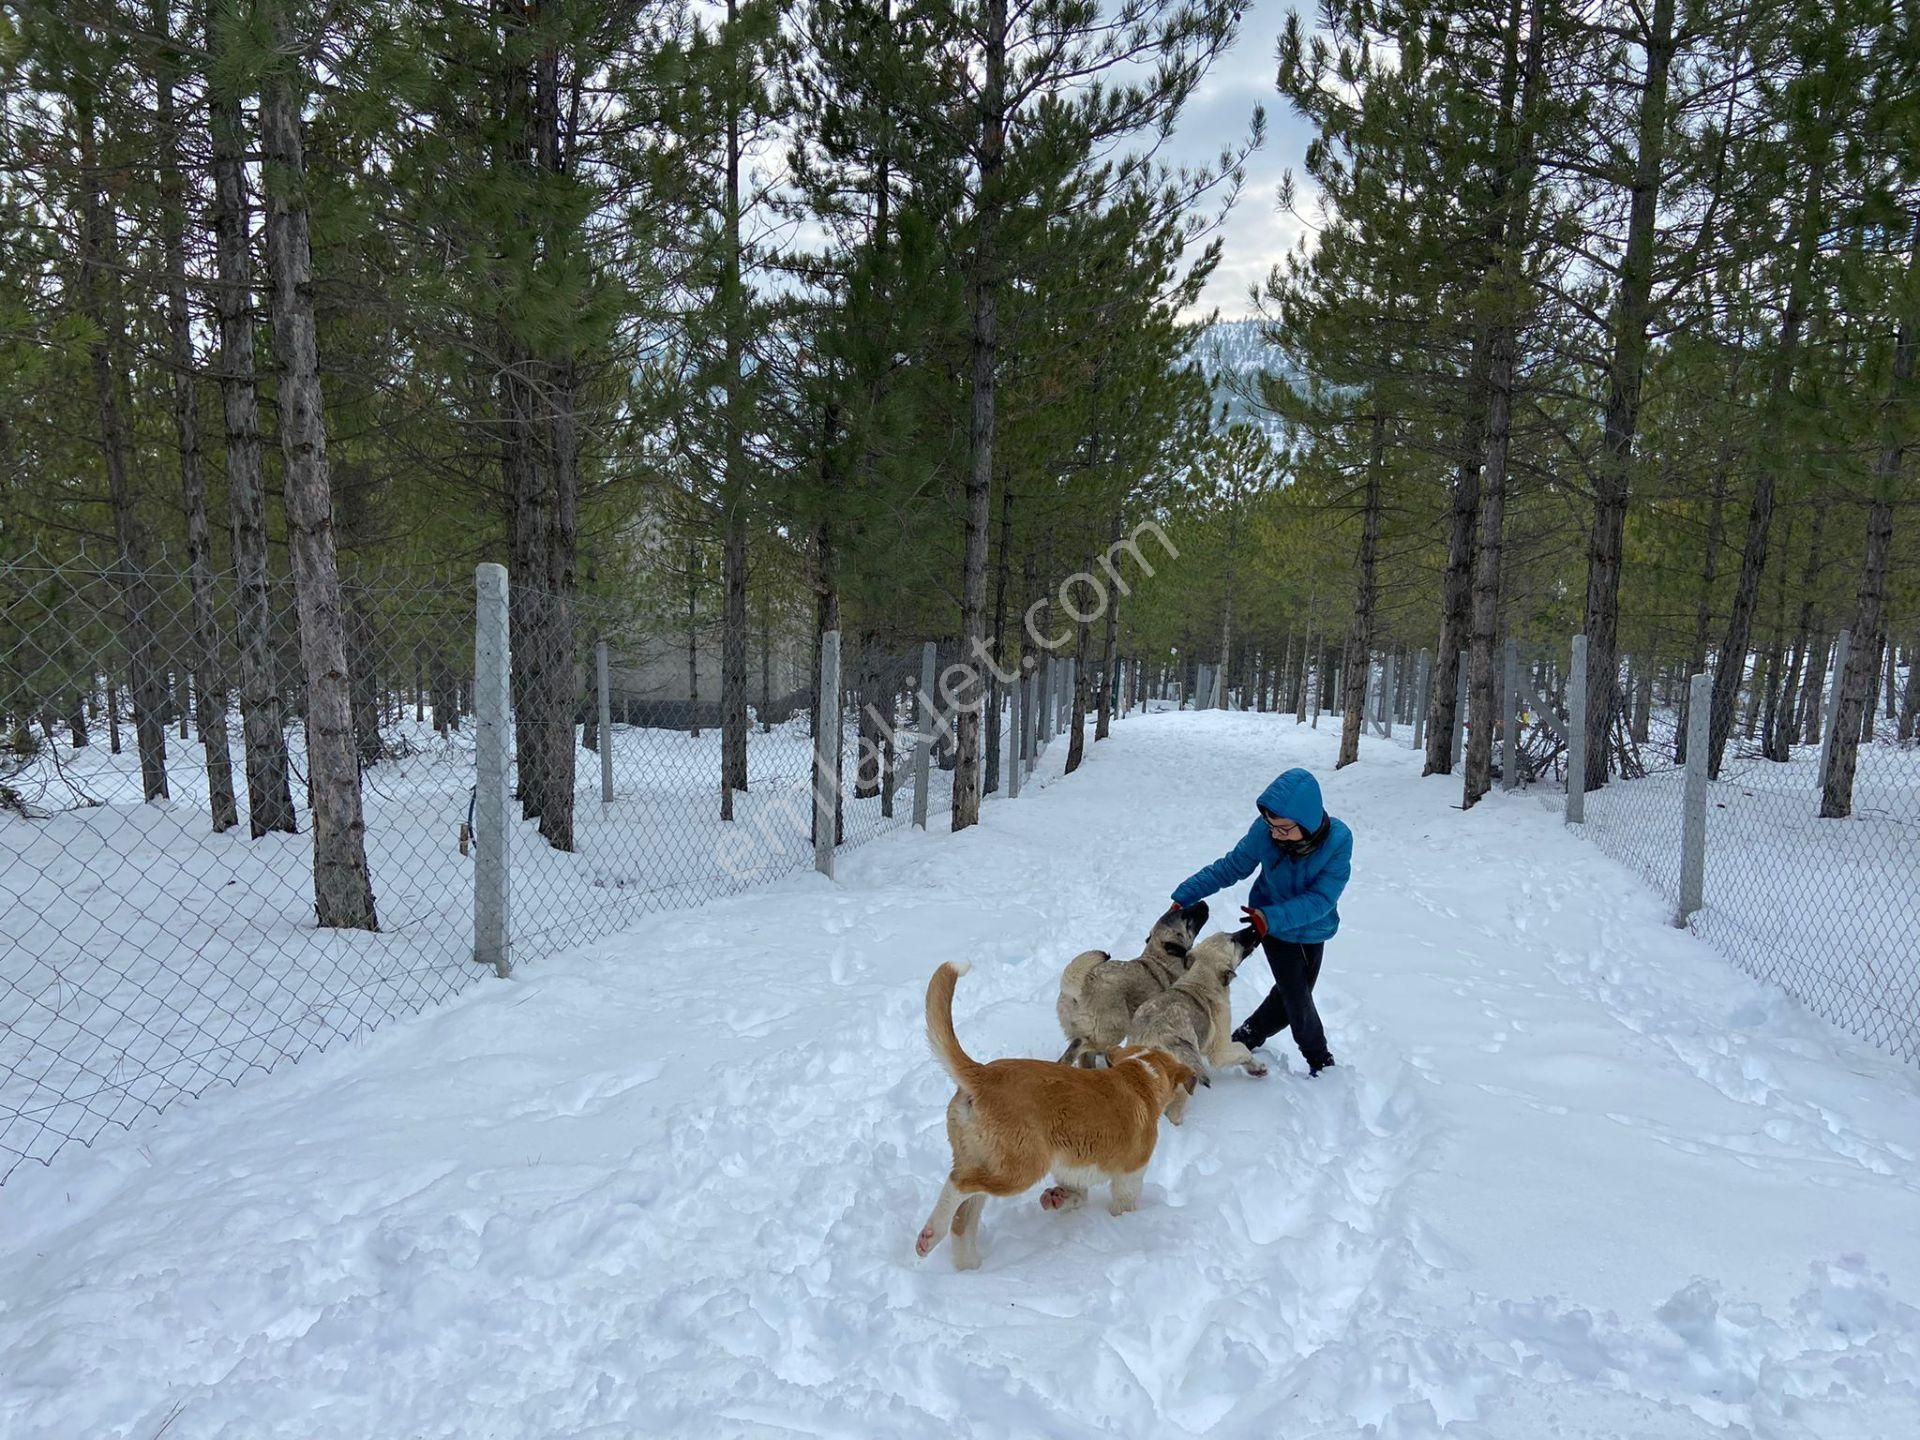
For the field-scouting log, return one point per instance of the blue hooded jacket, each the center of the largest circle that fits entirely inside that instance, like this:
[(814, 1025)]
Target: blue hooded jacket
[(1299, 895)]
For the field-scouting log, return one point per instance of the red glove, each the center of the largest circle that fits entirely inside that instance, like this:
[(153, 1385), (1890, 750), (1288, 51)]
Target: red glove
[(1256, 919)]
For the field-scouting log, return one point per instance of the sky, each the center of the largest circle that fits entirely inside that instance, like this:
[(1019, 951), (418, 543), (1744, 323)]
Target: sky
[(1258, 233)]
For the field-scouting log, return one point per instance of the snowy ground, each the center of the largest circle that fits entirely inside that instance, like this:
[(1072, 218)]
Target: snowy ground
[(144, 958), (1575, 1176), (1830, 909)]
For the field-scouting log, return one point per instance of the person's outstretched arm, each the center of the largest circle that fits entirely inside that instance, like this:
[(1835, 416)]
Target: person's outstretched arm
[(1320, 897), (1236, 864)]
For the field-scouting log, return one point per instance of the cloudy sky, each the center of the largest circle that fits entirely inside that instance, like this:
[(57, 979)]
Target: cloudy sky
[(1258, 232)]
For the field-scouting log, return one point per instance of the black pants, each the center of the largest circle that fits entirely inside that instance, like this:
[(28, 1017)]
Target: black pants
[(1295, 969)]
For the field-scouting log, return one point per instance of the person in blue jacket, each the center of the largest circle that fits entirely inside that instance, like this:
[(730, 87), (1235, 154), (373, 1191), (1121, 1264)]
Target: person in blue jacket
[(1304, 856)]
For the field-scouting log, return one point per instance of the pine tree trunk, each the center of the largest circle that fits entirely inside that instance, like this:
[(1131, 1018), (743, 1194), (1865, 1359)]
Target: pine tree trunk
[(826, 606), (1359, 651), (1300, 679), (766, 663), (209, 685), (1703, 609), (446, 699), (1077, 736), (693, 640), (1910, 696), (1486, 571), (1813, 691), (1632, 315), (1001, 574), (983, 347), (1217, 683), (1764, 692), (1780, 745), (1855, 712), (865, 667), (1753, 558), (733, 669), (1880, 657), (106, 348), (262, 714), (826, 617), (562, 689), (527, 542), (343, 890), (1517, 143), (1110, 647), (362, 679)]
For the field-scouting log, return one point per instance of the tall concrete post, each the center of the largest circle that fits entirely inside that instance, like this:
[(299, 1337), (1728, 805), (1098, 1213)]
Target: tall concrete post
[(493, 749), (826, 754)]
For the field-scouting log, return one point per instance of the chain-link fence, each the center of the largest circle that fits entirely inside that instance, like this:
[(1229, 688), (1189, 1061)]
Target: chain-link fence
[(157, 931), (1826, 908), (158, 865)]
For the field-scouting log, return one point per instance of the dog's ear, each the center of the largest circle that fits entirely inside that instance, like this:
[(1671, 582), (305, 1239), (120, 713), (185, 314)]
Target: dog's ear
[(1189, 1079), (1116, 1054)]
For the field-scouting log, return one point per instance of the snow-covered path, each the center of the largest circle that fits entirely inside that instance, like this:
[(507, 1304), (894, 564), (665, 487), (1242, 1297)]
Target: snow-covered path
[(1574, 1176)]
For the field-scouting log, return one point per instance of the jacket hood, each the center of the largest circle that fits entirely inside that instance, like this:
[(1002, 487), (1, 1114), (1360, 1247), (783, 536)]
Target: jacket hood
[(1295, 796)]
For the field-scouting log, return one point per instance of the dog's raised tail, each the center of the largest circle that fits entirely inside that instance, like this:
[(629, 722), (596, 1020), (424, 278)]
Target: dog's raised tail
[(946, 1044), (1074, 978)]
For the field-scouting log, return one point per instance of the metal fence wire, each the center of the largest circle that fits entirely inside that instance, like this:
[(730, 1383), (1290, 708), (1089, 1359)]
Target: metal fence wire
[(157, 863), (157, 930), (1828, 909)]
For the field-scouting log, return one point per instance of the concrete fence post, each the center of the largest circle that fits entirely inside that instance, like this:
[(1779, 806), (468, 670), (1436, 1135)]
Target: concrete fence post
[(1577, 734), (492, 714), (1388, 696), (1046, 718), (924, 716), (1842, 643), (1510, 707), (606, 722), (826, 755), (1460, 709), (1015, 769), (1693, 813), (1036, 715), (1422, 698)]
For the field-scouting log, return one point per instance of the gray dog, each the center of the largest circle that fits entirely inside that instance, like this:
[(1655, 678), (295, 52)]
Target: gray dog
[(1191, 1020), (1099, 994)]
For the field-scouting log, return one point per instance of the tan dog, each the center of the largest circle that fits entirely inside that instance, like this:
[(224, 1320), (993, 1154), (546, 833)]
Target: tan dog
[(1193, 1021), (1098, 994), (1013, 1121)]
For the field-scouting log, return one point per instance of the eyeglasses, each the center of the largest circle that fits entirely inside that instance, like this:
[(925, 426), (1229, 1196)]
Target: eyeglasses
[(1283, 829)]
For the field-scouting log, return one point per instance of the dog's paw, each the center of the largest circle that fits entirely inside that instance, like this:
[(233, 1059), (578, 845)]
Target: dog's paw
[(1121, 1204), (926, 1242), (1060, 1197), (1257, 1069), (965, 1260)]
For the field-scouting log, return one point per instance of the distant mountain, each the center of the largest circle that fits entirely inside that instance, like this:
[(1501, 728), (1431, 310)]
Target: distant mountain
[(1233, 354)]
